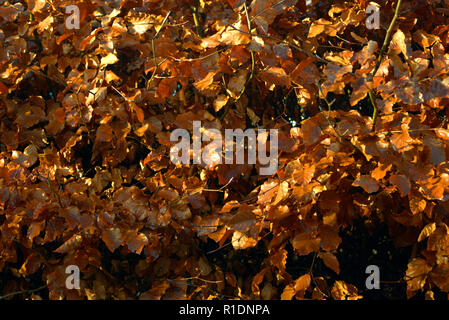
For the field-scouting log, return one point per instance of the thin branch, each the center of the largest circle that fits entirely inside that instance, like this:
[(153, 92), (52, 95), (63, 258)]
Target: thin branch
[(387, 38), (329, 109), (196, 18), (313, 263), (22, 291), (153, 48), (218, 190), (253, 63), (385, 45), (196, 278)]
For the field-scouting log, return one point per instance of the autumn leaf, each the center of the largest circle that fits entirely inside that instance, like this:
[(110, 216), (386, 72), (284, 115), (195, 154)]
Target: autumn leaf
[(330, 261), (440, 278), (36, 5), (241, 241), (302, 283), (427, 231), (112, 237), (243, 219), (344, 291), (282, 193), (402, 183), (265, 11), (304, 243), (70, 245), (27, 158), (401, 141), (416, 274), (274, 75), (136, 242), (109, 59), (367, 183)]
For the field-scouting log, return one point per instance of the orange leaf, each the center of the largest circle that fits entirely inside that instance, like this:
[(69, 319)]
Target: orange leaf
[(288, 293), (427, 231), (401, 141), (416, 273), (139, 113), (241, 241), (302, 283), (439, 276), (380, 172), (282, 193), (443, 133), (344, 291)]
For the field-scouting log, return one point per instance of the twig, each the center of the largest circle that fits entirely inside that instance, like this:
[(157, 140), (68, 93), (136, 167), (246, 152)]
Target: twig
[(156, 66), (121, 94), (199, 58), (196, 19), (218, 190), (329, 109), (313, 263), (312, 277), (22, 291), (252, 66), (385, 45), (195, 278)]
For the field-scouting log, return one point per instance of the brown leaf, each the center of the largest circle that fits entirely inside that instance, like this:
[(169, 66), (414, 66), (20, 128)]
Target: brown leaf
[(275, 75), (330, 261), (304, 243), (367, 183), (71, 244), (243, 220), (265, 11), (402, 141), (136, 242), (27, 158), (402, 183), (112, 237), (439, 276)]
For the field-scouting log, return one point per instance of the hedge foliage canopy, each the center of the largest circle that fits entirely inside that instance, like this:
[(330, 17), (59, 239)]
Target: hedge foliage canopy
[(85, 171)]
